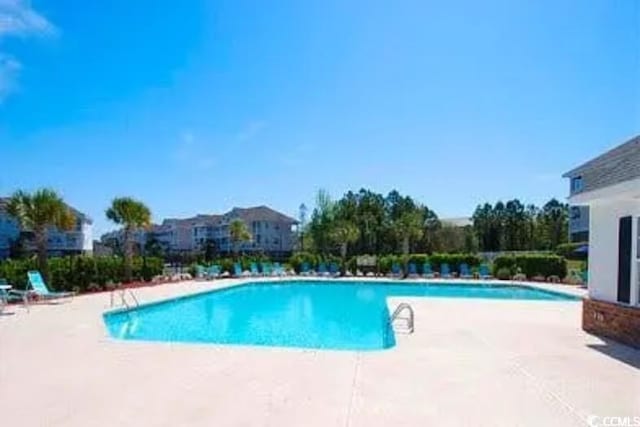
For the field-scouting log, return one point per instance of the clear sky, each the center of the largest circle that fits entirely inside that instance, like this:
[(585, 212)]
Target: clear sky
[(200, 105)]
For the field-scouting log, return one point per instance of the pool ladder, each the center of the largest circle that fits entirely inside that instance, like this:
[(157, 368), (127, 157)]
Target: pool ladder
[(122, 293), (407, 326)]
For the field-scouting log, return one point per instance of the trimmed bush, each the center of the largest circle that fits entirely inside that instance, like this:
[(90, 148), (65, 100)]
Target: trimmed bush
[(503, 273), (531, 265), (81, 273), (568, 250)]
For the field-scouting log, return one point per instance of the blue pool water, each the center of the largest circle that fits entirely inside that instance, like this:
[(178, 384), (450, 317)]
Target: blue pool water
[(325, 315)]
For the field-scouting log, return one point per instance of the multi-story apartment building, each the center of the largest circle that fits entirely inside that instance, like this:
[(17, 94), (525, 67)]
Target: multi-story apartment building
[(271, 232), (79, 240)]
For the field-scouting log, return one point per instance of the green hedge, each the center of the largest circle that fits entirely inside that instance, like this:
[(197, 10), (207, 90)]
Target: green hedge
[(532, 265), (568, 250), (81, 273)]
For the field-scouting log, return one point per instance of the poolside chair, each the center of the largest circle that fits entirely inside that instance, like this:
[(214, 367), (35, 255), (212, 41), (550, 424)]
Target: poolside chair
[(213, 271), (322, 269), (237, 269), (427, 272), (445, 271), (334, 270), (465, 273), (39, 289), (396, 271), (267, 270), (277, 269), (484, 272), (4, 295), (254, 269), (413, 270), (304, 269), (201, 272)]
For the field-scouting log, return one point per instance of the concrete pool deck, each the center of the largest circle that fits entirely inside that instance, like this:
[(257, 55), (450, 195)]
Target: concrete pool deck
[(470, 362)]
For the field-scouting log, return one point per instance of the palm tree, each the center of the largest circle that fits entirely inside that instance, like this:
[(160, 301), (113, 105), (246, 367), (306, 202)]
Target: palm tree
[(238, 233), (409, 226), (37, 212), (132, 215), (344, 233)]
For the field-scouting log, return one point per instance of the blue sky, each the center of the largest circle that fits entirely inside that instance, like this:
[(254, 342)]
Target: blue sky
[(201, 105)]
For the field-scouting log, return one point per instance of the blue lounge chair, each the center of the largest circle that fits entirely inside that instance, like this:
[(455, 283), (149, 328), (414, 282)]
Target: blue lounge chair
[(322, 269), (213, 271), (40, 289), (278, 270), (396, 271), (254, 269), (4, 295), (484, 272), (201, 272), (267, 270), (465, 273), (304, 269), (334, 270), (445, 271), (413, 270), (237, 269), (427, 272)]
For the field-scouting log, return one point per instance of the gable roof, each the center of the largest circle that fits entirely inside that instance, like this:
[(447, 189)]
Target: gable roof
[(621, 163), (259, 213)]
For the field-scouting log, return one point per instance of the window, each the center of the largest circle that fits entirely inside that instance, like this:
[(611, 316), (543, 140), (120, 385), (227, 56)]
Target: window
[(575, 212), (576, 184)]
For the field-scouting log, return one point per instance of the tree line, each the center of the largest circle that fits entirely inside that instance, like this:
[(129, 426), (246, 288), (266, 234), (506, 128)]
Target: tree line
[(366, 222)]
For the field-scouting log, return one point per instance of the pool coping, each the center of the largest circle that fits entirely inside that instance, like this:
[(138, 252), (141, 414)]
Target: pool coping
[(574, 293)]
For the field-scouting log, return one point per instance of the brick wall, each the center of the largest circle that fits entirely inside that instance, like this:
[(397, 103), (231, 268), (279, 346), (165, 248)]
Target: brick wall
[(618, 322)]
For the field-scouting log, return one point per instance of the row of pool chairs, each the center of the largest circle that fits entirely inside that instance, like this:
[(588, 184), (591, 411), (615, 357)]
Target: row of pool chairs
[(266, 269), (255, 270), (445, 271), (332, 270)]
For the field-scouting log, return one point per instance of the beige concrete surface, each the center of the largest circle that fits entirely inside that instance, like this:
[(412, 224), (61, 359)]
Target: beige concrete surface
[(470, 362)]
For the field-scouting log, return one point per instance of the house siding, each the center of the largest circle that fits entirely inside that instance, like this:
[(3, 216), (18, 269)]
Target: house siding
[(616, 166)]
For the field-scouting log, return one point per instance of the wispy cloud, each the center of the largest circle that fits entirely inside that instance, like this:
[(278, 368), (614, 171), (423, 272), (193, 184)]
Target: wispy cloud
[(192, 152), (18, 19), (9, 69), (251, 130)]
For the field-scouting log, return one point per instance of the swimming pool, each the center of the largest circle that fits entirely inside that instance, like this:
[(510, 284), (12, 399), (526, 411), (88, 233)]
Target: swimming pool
[(306, 314)]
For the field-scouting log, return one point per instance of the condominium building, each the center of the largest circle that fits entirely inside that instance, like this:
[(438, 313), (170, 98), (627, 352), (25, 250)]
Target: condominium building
[(271, 232), (78, 240)]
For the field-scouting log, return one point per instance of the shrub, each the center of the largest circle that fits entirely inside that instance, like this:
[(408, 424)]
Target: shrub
[(568, 250), (418, 259), (532, 265), (300, 258), (81, 273), (385, 263), (503, 273)]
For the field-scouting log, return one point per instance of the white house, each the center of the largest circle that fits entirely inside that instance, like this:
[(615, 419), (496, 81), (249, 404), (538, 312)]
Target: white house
[(610, 186), (78, 240)]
